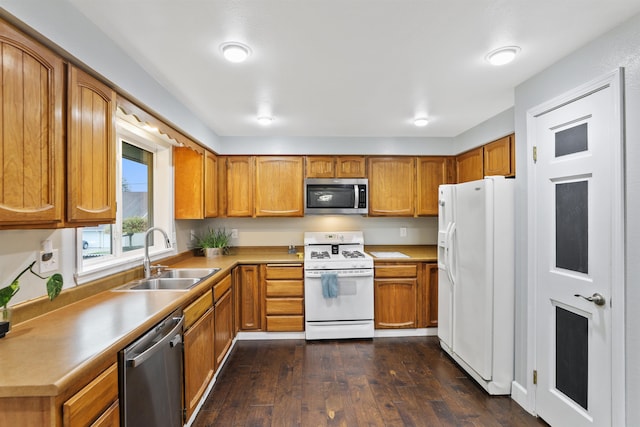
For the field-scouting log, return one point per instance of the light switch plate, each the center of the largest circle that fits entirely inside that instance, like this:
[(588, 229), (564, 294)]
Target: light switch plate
[(52, 264)]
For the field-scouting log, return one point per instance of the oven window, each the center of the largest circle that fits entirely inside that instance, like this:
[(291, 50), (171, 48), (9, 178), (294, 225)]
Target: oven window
[(331, 196)]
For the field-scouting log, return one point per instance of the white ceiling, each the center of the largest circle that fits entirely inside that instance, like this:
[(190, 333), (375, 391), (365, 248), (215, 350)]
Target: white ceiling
[(349, 67)]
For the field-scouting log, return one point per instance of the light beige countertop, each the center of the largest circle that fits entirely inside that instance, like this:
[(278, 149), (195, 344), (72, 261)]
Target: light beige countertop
[(50, 353)]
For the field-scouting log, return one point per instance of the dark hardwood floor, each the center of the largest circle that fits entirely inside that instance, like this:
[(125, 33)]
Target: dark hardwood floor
[(379, 382)]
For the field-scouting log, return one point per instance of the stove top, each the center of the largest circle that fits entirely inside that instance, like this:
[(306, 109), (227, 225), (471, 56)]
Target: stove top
[(335, 250)]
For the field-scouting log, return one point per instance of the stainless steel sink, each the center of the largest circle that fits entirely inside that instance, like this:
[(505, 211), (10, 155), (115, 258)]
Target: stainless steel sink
[(161, 283), (188, 273)]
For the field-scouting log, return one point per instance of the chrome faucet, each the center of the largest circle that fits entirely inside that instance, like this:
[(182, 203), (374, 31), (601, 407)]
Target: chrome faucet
[(146, 263)]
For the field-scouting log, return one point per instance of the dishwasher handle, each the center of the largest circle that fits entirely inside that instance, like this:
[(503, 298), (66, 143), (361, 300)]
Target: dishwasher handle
[(173, 338)]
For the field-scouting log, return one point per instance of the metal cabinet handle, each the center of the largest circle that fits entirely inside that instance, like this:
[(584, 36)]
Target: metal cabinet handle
[(596, 298)]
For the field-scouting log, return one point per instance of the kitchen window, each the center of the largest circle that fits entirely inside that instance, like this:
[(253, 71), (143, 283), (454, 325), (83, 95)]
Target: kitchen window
[(143, 172)]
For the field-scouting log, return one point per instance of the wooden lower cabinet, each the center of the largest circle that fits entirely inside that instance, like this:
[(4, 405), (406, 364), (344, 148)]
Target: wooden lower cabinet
[(430, 295), (96, 404), (223, 327), (198, 350), (396, 295), (284, 297), (249, 302), (406, 295)]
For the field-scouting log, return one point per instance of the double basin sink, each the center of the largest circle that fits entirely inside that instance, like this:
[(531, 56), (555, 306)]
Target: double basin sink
[(180, 279)]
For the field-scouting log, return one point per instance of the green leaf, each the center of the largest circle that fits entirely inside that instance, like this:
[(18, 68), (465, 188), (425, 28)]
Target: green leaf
[(54, 286), (8, 292)]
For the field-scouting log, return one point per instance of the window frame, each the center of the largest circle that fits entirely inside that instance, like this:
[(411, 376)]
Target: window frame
[(118, 260)]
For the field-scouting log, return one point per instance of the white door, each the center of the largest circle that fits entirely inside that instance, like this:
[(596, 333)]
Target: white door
[(445, 276), (473, 288), (577, 229)]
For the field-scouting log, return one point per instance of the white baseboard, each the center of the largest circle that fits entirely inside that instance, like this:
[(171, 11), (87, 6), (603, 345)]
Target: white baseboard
[(520, 395)]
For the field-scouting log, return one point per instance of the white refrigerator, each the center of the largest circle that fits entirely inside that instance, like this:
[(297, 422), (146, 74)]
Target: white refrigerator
[(476, 279)]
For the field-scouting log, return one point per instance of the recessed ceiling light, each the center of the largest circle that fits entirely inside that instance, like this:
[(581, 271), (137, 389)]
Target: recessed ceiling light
[(421, 122), (265, 120), (503, 55), (235, 52)]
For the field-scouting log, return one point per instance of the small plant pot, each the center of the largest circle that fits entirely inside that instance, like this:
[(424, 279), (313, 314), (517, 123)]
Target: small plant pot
[(5, 321), (212, 252)]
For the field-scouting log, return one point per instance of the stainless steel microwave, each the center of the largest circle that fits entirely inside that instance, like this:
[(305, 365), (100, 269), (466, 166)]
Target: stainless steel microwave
[(336, 196)]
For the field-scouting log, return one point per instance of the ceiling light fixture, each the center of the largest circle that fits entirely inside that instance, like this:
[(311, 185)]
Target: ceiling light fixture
[(503, 55), (265, 120), (235, 52), (421, 122)]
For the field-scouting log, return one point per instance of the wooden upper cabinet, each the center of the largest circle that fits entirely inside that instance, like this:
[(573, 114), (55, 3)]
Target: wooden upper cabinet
[(31, 140), (499, 157), (188, 169), (469, 165), (350, 167), (430, 173), (279, 186), (239, 186), (335, 167), (391, 186), (210, 185), (91, 154), (320, 166)]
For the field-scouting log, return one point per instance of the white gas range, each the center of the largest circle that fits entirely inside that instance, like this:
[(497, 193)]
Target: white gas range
[(338, 286)]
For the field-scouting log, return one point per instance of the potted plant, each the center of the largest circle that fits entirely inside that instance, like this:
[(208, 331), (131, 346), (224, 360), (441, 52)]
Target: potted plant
[(213, 242), (54, 286)]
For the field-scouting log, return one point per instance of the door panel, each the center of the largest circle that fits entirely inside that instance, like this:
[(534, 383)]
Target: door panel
[(573, 191)]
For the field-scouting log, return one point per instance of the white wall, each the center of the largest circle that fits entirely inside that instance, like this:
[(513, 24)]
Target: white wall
[(500, 125), (618, 48), (290, 231)]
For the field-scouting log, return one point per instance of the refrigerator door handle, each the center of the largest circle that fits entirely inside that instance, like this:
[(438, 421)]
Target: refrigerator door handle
[(450, 257)]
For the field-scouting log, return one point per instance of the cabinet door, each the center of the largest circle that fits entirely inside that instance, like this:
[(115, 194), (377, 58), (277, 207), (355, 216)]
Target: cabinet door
[(91, 154), (198, 360), (499, 157), (350, 167), (250, 301), (469, 165), (210, 185), (188, 169), (430, 295), (223, 325), (430, 173), (279, 186), (240, 186), (395, 303), (391, 186), (320, 166), (31, 142)]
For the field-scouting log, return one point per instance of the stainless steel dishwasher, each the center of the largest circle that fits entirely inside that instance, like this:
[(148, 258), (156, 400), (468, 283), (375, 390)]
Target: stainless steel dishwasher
[(151, 377)]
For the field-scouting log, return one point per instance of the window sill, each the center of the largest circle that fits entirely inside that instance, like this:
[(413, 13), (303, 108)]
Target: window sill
[(108, 268)]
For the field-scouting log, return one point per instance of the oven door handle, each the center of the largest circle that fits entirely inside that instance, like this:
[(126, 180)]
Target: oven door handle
[(340, 276)]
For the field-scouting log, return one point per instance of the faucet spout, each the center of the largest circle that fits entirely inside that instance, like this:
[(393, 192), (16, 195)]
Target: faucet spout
[(146, 262)]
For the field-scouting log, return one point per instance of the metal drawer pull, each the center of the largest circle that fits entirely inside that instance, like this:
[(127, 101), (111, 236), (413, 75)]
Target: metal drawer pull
[(596, 298)]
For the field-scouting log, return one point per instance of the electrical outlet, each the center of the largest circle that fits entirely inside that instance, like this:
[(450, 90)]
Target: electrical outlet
[(403, 231), (192, 235), (234, 233), (48, 263)]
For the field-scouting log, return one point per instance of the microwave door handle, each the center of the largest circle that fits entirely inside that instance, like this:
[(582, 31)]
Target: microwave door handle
[(357, 200)]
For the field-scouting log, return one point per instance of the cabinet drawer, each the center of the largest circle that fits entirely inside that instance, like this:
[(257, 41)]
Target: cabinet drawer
[(196, 309), (284, 271), (285, 288), (285, 323), (110, 417), (88, 404), (285, 306), (398, 270), (221, 287)]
